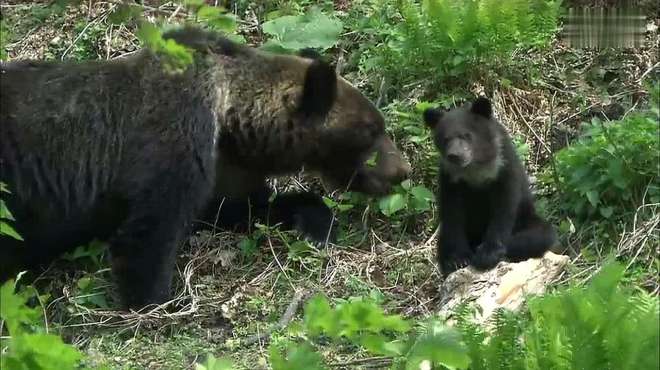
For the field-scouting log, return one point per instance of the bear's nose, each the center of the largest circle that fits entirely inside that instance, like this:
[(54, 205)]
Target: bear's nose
[(454, 158), (405, 170)]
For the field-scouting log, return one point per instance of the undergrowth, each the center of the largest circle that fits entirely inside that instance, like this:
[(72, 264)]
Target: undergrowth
[(613, 168), (447, 43), (600, 326)]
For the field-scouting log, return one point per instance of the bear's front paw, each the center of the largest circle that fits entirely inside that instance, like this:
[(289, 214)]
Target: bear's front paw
[(488, 255), (316, 223), (454, 261)]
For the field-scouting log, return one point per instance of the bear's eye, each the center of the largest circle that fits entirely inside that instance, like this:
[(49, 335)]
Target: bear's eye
[(442, 140)]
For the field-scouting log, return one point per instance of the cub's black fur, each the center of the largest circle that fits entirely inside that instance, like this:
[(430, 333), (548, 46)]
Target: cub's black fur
[(487, 208), (125, 152)]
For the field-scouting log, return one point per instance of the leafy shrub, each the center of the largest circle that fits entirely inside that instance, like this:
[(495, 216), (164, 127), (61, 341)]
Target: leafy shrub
[(451, 39), (363, 323), (611, 168), (29, 347), (602, 326)]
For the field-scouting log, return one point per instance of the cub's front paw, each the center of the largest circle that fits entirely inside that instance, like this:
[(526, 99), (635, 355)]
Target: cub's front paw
[(488, 255), (452, 262)]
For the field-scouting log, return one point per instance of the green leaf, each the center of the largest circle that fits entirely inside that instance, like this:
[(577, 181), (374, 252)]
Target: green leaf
[(217, 18), (440, 345), (606, 211), (275, 46), (213, 363), (593, 197), (13, 309), (193, 3), (248, 246), (43, 351), (373, 160), (616, 173), (178, 52), (149, 35), (319, 317), (299, 249), (4, 212), (6, 229), (312, 30), (391, 204), (329, 202), (424, 105), (345, 207), (422, 193), (295, 357)]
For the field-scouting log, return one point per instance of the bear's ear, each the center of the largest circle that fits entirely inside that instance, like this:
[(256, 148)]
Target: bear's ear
[(320, 89), (432, 116), (482, 107), (310, 53)]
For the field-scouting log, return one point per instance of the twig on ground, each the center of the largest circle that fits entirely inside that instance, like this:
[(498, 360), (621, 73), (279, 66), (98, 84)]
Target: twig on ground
[(98, 19), (286, 318), (372, 362)]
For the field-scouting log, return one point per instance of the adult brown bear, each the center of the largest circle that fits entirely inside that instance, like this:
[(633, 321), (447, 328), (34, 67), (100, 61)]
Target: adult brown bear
[(124, 152)]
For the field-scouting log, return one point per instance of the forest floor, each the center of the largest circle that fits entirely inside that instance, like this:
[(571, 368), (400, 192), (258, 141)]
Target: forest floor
[(231, 287)]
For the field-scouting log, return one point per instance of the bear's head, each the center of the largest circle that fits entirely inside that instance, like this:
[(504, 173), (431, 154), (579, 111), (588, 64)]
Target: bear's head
[(469, 140), (279, 113)]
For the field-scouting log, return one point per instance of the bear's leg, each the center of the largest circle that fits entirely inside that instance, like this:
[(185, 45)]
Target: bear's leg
[(12, 257), (143, 249), (530, 242), (143, 254), (454, 249), (303, 211), (306, 212)]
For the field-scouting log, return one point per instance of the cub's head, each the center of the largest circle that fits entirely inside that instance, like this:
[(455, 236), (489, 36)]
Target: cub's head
[(469, 139)]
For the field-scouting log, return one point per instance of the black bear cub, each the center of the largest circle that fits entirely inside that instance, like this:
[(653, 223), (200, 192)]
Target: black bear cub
[(486, 206)]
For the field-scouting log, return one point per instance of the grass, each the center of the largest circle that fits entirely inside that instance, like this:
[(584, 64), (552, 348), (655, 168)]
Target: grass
[(225, 296)]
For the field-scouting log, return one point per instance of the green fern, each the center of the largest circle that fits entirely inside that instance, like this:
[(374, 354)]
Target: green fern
[(602, 326), (449, 40)]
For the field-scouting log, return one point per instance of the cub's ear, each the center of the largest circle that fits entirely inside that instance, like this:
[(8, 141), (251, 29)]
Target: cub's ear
[(320, 90), (432, 116), (482, 107)]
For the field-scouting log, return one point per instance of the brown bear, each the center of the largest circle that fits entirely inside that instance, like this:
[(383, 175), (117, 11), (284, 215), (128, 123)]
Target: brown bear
[(126, 152)]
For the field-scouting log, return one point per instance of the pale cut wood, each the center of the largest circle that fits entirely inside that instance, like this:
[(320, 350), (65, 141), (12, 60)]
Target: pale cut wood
[(504, 286)]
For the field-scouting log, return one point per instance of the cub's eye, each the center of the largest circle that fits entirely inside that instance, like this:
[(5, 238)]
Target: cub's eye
[(467, 136)]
